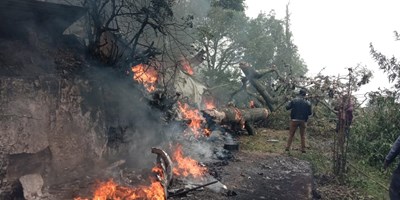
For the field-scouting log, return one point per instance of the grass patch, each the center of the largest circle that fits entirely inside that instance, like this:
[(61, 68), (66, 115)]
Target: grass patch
[(369, 179), (319, 155), (266, 140)]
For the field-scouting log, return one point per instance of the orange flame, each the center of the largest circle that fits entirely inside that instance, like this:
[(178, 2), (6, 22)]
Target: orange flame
[(238, 114), (111, 190), (239, 117), (146, 75), (209, 104), (207, 132), (186, 67), (186, 166), (194, 117)]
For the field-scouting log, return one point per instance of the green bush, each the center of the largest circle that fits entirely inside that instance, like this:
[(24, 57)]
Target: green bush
[(375, 129)]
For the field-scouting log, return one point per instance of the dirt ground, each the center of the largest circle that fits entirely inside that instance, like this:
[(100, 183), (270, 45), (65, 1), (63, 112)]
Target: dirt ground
[(254, 174), (261, 169), (261, 176)]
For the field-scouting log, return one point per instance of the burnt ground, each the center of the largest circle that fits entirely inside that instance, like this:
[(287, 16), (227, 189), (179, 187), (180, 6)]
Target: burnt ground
[(259, 170), (261, 176)]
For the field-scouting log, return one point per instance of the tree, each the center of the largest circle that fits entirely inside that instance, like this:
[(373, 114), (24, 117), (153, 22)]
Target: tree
[(269, 42), (228, 38), (218, 35), (136, 31), (375, 132), (269, 48), (391, 66), (237, 5)]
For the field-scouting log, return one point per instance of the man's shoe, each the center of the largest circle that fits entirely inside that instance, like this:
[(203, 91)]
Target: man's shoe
[(286, 149), (303, 151)]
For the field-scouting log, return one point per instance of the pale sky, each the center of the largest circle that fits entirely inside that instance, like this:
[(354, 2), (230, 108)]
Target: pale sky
[(336, 33)]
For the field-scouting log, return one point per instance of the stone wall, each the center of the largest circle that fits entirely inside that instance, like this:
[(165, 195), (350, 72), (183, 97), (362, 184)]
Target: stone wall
[(48, 127)]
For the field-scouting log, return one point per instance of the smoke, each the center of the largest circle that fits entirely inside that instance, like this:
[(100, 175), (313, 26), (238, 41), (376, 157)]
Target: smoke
[(133, 127)]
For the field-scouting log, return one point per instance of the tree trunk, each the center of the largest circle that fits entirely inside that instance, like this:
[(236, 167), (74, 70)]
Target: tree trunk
[(235, 115)]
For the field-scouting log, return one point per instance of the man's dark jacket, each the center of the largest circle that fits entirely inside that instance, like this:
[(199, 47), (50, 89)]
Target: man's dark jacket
[(300, 109), (394, 190), (393, 153)]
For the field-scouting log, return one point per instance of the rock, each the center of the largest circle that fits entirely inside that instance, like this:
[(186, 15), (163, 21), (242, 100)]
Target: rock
[(32, 186)]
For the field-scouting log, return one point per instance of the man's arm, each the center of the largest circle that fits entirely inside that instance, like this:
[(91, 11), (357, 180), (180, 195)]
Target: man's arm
[(393, 152)]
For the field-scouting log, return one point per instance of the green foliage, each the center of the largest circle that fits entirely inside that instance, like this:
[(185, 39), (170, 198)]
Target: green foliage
[(279, 119), (237, 5), (218, 35), (379, 126), (376, 129), (372, 184), (391, 66), (269, 43)]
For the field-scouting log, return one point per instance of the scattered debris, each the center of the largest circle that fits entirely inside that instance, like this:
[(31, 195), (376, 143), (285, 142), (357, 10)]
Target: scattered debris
[(185, 191)]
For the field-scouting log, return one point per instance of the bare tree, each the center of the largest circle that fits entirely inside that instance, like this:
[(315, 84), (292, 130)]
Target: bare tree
[(135, 30)]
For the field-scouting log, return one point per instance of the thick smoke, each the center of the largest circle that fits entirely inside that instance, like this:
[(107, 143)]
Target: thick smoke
[(133, 127)]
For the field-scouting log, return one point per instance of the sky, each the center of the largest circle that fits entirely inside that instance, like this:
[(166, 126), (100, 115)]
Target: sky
[(336, 34)]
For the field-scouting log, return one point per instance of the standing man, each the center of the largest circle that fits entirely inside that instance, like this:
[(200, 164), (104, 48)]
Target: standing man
[(394, 190), (300, 111)]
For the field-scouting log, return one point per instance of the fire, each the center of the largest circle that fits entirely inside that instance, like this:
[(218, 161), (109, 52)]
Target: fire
[(239, 117), (238, 114), (186, 67), (186, 166), (112, 191), (195, 118), (207, 132), (146, 75), (209, 104)]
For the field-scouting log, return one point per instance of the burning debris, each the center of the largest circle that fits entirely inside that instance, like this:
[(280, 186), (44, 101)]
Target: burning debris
[(68, 103), (195, 120), (111, 190), (186, 166), (147, 75), (186, 67), (165, 168)]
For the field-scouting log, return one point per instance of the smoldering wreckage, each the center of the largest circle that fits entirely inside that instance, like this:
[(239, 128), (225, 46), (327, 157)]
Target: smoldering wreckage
[(70, 136)]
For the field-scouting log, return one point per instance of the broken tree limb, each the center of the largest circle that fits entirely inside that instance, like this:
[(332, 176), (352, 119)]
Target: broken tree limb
[(243, 87), (252, 75)]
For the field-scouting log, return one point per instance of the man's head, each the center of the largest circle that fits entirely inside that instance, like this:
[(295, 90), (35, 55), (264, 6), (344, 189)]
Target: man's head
[(302, 92)]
